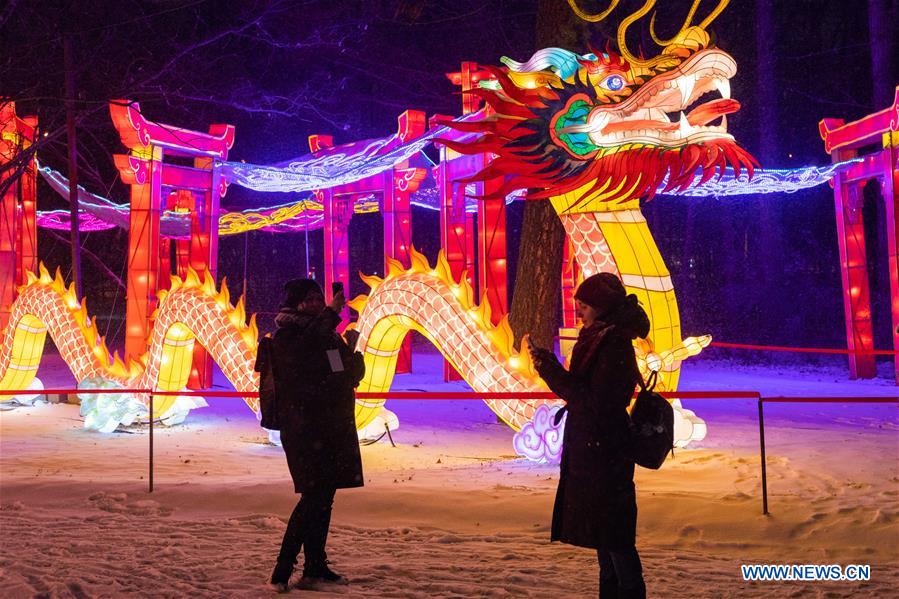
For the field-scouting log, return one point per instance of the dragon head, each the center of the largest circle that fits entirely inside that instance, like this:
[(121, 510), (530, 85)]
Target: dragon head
[(609, 126)]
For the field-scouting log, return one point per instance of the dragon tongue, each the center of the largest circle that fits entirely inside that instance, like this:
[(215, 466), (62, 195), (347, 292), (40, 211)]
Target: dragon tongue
[(712, 110)]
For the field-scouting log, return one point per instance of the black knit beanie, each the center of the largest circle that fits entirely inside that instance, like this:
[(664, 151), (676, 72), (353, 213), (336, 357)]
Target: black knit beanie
[(603, 292), (606, 294), (296, 291)]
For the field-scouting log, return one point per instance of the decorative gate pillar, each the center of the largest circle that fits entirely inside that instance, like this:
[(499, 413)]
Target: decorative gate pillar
[(457, 233), (399, 185), (394, 186), (152, 180), (492, 265), (338, 211), (18, 230), (843, 141)]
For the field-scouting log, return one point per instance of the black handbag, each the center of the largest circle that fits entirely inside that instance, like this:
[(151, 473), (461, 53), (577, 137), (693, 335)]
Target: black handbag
[(268, 399), (652, 426)]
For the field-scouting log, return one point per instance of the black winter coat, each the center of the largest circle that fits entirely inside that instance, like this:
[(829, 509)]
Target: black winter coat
[(596, 503), (316, 407)]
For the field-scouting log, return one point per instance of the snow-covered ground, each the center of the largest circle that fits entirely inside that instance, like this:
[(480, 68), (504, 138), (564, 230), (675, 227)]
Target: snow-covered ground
[(450, 511)]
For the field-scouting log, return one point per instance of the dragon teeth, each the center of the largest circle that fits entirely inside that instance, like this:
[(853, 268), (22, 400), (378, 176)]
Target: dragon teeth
[(684, 126), (723, 87), (686, 85)]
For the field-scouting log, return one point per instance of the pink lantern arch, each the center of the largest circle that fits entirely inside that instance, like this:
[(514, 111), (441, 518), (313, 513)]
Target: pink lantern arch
[(18, 228), (844, 141), (158, 184)]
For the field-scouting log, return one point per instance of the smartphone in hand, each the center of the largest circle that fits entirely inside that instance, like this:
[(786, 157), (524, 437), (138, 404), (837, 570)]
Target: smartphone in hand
[(336, 288), (351, 336)]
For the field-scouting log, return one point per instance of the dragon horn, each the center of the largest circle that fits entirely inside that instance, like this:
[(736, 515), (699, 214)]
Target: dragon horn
[(622, 30), (722, 4), (592, 18), (652, 25)]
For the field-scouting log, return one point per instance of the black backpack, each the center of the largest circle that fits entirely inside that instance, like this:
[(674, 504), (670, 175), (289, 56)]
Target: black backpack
[(652, 426), (268, 401)]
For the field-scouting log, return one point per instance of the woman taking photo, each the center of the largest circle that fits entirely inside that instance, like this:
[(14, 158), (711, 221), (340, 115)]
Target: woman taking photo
[(596, 504), (315, 374)]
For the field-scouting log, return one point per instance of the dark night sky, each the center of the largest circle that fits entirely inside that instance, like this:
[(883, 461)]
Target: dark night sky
[(348, 68)]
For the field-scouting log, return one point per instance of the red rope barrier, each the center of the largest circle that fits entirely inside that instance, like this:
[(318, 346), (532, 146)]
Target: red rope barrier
[(831, 399), (806, 350), (470, 395), (802, 350), (395, 395)]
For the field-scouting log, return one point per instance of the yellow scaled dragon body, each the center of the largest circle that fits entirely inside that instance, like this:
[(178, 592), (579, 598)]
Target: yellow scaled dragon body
[(190, 310)]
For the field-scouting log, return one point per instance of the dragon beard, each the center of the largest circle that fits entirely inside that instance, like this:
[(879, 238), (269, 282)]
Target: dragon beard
[(527, 157)]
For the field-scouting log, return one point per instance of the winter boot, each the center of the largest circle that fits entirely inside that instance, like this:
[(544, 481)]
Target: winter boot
[(608, 589), (281, 576), (634, 593), (320, 572)]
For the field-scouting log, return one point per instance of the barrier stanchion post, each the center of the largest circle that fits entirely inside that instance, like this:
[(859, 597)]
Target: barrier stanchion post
[(151, 446), (763, 459)]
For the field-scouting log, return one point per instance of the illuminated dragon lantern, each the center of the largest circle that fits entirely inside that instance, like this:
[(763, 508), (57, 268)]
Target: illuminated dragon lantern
[(591, 133), (595, 133)]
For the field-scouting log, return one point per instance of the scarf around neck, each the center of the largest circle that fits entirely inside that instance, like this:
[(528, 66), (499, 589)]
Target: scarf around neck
[(588, 342)]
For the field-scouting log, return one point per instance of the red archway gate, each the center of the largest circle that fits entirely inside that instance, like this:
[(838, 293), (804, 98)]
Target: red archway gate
[(843, 141), (458, 227), (394, 186), (197, 188), (18, 231)]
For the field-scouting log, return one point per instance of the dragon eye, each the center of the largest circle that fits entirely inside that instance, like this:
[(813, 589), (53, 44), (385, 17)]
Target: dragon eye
[(613, 82)]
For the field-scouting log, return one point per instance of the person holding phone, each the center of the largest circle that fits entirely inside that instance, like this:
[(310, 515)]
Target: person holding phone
[(596, 503), (315, 373)]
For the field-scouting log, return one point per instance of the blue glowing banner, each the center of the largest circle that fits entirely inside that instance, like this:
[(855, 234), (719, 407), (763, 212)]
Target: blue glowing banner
[(101, 209), (98, 213), (763, 181)]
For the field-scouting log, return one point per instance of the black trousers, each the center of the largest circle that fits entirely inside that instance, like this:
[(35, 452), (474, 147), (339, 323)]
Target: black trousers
[(620, 574), (308, 527)]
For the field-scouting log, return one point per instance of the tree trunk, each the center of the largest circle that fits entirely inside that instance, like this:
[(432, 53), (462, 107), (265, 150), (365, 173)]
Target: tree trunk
[(535, 300), (535, 297), (880, 27), (767, 236), (69, 60), (767, 90)]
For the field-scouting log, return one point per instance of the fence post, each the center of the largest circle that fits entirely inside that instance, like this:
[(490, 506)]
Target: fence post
[(763, 459), (151, 445)]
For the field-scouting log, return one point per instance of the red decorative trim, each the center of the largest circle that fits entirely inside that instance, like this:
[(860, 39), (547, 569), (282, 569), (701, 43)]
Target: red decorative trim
[(319, 142), (138, 132), (133, 170), (894, 118), (838, 135), (410, 124), (408, 179)]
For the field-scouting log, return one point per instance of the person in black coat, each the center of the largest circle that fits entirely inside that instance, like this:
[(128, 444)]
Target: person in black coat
[(315, 374), (596, 503)]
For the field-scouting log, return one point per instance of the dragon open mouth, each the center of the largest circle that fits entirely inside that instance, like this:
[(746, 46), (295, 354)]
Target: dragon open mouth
[(688, 104)]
